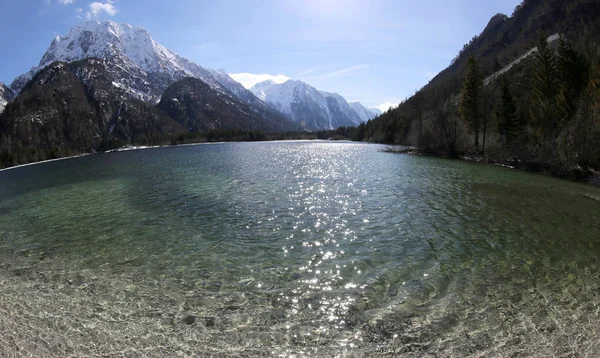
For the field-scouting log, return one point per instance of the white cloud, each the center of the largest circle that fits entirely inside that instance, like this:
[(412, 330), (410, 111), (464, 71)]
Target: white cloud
[(65, 2), (79, 10), (250, 79), (386, 105), (97, 8)]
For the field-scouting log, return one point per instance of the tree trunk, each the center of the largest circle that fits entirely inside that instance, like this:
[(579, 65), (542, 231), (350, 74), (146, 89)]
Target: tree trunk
[(484, 132)]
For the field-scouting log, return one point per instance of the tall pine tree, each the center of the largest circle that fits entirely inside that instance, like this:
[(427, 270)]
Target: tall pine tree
[(593, 88), (508, 123), (544, 88), (471, 98), (571, 70)]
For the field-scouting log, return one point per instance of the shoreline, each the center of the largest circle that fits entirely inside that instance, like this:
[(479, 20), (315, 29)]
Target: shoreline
[(590, 177), (46, 161), (141, 147)]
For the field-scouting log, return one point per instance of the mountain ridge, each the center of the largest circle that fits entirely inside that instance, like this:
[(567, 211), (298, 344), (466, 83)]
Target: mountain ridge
[(309, 107), (144, 69), (194, 104)]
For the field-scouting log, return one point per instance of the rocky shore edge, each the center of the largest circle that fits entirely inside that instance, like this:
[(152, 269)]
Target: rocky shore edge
[(558, 170)]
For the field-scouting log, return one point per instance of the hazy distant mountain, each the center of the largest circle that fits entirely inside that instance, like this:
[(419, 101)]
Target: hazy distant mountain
[(310, 108), (199, 108), (6, 95), (364, 113), (376, 111)]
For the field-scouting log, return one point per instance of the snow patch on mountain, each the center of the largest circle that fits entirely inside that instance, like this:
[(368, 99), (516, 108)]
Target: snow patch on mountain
[(6, 95)]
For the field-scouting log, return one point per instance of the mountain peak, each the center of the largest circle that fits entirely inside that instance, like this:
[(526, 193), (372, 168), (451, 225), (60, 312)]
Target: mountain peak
[(137, 62), (109, 39)]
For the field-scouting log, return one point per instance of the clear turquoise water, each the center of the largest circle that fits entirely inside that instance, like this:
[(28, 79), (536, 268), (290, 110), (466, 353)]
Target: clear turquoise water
[(295, 249)]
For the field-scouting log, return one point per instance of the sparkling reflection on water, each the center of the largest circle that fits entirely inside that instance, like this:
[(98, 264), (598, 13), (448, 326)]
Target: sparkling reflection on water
[(295, 249)]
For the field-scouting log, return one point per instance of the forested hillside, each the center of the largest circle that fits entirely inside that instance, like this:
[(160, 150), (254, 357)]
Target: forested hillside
[(73, 108), (542, 110), (196, 106)]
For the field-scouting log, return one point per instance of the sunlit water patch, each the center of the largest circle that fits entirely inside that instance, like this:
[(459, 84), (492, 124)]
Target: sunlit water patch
[(295, 249)]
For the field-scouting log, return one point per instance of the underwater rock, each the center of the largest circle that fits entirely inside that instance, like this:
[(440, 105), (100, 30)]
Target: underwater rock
[(190, 319)]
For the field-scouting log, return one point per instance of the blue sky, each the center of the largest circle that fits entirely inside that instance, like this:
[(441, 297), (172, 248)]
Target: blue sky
[(374, 51)]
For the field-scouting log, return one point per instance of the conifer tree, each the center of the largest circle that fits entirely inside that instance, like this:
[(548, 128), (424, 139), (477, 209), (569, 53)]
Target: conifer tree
[(571, 71), (507, 115), (471, 98), (544, 88), (593, 88)]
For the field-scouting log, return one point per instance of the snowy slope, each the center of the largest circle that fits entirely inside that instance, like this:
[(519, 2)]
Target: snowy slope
[(6, 95), (311, 108)]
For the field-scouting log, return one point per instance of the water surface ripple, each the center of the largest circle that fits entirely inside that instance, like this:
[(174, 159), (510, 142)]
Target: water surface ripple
[(295, 249)]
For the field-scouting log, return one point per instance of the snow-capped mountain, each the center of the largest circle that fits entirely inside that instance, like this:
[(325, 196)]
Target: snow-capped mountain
[(136, 63), (142, 69), (6, 95), (311, 108), (364, 113)]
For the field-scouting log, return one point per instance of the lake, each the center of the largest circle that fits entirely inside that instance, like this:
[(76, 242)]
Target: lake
[(295, 249)]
